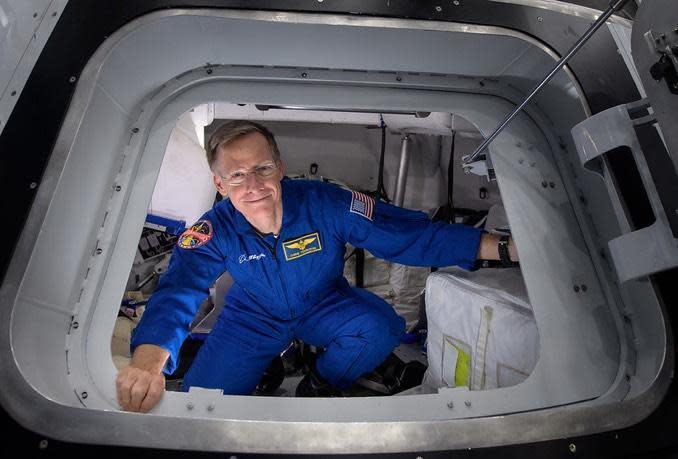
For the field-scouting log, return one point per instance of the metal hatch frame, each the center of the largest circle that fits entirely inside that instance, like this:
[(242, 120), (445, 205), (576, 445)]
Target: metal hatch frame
[(557, 418)]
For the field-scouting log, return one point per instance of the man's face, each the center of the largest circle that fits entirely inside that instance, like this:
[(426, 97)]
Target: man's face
[(256, 197)]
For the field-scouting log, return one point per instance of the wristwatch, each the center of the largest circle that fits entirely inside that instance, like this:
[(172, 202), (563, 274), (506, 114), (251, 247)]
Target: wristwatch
[(504, 256)]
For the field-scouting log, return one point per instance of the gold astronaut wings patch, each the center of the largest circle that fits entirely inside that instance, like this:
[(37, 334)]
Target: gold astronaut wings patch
[(303, 245)]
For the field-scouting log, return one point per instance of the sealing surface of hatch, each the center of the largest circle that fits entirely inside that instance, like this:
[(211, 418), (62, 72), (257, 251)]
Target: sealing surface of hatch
[(477, 329)]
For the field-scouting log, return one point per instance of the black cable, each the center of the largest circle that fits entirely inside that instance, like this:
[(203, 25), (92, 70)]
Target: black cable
[(380, 192), (450, 181), (359, 267), (446, 211)]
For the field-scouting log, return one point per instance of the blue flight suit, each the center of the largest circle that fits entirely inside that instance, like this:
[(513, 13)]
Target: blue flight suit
[(293, 286)]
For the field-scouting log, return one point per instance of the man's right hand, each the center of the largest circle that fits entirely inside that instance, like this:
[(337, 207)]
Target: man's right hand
[(140, 385)]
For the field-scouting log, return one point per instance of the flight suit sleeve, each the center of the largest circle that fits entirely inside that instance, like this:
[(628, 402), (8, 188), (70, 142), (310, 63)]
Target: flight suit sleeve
[(196, 262), (404, 236)]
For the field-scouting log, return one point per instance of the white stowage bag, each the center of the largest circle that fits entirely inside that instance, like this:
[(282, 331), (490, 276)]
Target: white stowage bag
[(399, 285), (407, 283), (375, 272), (481, 329)]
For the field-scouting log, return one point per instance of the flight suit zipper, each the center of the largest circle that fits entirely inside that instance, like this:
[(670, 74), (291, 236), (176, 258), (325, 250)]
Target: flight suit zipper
[(274, 252)]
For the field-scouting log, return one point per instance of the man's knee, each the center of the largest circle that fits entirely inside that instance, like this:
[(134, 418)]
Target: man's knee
[(363, 350), (383, 331), (383, 328), (376, 332)]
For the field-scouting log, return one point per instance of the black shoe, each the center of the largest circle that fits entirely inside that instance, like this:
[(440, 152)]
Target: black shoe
[(312, 385), (272, 378), (393, 375)]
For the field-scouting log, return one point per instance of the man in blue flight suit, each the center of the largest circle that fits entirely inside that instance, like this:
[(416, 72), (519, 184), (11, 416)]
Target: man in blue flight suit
[(283, 242)]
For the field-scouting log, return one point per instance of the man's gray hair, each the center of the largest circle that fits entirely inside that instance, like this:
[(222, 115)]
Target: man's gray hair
[(233, 130)]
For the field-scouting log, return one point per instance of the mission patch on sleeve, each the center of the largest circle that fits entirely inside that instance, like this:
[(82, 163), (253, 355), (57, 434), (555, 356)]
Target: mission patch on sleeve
[(198, 234)]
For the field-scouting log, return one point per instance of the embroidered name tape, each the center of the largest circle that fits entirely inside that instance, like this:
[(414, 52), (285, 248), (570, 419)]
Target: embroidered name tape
[(198, 234), (362, 205), (243, 258), (303, 245)]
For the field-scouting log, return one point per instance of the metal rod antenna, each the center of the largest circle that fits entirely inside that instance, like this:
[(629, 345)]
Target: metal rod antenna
[(614, 6), (399, 198)]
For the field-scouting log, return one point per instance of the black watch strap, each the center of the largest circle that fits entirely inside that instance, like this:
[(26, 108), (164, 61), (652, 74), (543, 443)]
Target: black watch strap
[(503, 250)]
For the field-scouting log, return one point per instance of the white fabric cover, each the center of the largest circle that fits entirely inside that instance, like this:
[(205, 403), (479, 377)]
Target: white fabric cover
[(481, 329), (407, 283), (399, 285), (496, 221)]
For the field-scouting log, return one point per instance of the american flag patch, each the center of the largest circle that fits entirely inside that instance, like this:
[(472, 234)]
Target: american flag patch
[(362, 204)]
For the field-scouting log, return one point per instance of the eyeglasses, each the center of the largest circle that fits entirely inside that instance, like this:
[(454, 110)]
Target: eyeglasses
[(265, 170)]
